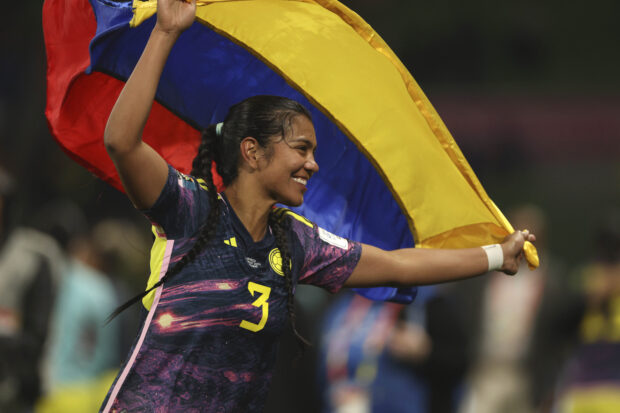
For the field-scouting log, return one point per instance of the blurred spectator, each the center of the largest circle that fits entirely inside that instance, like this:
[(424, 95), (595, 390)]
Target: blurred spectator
[(81, 346), (31, 266), (84, 351), (555, 328), (386, 357), (527, 328), (53, 303), (591, 382)]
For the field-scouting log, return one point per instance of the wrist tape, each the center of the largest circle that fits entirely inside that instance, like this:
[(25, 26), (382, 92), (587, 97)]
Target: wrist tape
[(495, 256)]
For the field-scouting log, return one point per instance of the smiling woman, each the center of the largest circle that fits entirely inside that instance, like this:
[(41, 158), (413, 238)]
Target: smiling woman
[(264, 153), (225, 265)]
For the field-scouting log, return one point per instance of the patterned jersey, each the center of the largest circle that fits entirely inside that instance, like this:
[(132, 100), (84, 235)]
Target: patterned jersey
[(209, 341)]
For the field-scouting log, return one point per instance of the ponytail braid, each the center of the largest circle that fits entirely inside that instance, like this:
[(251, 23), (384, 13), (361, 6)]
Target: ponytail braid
[(201, 167), (280, 231)]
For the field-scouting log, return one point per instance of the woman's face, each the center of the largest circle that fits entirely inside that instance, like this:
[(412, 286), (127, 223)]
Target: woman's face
[(288, 163)]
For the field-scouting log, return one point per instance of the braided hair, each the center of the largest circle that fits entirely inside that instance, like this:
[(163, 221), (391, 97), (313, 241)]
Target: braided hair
[(262, 117)]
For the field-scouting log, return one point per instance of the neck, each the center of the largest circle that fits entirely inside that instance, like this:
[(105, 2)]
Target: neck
[(253, 211)]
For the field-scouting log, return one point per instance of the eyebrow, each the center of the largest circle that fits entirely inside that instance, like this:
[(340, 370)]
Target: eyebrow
[(304, 140)]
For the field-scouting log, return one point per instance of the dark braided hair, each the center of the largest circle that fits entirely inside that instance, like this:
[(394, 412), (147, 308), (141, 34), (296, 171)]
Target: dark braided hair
[(279, 227), (263, 118)]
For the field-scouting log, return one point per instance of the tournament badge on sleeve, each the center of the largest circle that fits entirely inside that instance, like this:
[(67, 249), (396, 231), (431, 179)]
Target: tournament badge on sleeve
[(390, 174)]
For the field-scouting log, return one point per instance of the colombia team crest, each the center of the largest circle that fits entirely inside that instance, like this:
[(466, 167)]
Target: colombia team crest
[(275, 261)]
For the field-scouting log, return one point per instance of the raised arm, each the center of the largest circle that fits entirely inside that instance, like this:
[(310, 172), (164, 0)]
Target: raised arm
[(419, 266), (142, 170)]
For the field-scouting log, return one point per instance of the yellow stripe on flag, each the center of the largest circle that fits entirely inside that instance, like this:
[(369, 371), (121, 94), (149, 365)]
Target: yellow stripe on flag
[(328, 53)]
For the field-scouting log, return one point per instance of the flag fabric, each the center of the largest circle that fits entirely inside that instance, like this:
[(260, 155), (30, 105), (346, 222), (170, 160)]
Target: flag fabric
[(390, 173)]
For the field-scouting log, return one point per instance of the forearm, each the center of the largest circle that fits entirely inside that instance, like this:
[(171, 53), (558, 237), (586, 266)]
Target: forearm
[(416, 266), (124, 128), (419, 266)]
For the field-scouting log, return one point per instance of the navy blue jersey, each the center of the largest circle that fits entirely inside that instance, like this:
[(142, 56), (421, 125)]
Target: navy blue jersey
[(209, 341)]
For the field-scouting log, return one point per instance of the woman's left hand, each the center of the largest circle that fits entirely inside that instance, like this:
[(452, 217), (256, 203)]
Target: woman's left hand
[(513, 250)]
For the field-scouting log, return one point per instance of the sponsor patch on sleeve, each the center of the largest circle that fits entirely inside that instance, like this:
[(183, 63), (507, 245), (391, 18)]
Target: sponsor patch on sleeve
[(332, 239)]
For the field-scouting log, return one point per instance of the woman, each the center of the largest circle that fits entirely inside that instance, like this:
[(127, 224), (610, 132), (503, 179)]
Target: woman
[(231, 261)]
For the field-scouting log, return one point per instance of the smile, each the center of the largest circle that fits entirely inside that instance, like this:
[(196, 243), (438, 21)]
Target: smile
[(300, 180)]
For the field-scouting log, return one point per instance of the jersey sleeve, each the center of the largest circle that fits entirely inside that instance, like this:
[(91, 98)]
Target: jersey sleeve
[(181, 207), (327, 259)]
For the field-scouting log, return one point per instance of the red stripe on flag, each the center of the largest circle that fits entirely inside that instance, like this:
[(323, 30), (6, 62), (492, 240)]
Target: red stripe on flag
[(78, 105)]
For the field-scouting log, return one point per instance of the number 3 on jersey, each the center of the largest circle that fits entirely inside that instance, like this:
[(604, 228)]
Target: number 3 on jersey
[(261, 301)]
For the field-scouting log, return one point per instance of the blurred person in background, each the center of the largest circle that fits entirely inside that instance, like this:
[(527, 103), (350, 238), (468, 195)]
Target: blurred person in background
[(554, 333), (527, 327), (32, 263), (386, 357), (591, 380), (52, 296), (83, 351), (82, 348)]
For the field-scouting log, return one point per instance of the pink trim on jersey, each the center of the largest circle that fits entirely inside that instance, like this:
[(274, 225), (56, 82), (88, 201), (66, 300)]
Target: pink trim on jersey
[(147, 323)]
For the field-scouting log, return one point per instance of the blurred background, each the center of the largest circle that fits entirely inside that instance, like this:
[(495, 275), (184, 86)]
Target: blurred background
[(531, 93)]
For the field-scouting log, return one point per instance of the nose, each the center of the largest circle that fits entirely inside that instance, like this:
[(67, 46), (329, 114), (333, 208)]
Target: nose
[(311, 165)]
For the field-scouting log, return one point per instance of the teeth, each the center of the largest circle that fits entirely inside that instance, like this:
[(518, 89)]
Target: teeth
[(301, 181)]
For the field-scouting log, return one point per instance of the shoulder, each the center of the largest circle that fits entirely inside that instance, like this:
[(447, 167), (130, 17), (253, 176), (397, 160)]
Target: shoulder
[(181, 206), (298, 228), (289, 217), (307, 231), (178, 185), (188, 181)]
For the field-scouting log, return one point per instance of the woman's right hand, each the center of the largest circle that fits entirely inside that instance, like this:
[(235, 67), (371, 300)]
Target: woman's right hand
[(174, 16), (512, 246)]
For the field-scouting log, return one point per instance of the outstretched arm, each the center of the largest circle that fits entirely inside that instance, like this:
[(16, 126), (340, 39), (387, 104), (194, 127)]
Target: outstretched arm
[(419, 266), (142, 170)]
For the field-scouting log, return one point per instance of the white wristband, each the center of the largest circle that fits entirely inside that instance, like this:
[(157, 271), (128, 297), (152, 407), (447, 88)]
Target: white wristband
[(495, 256)]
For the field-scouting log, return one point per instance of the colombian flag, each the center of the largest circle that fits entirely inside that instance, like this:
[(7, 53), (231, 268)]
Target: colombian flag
[(390, 174)]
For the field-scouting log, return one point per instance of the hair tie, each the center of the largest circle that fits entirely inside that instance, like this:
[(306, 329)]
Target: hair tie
[(218, 128)]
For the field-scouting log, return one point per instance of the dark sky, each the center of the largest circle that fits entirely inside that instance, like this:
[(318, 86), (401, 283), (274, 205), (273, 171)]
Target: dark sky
[(550, 46)]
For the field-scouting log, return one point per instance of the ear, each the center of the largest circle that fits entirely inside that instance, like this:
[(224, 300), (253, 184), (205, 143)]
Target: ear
[(250, 151)]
